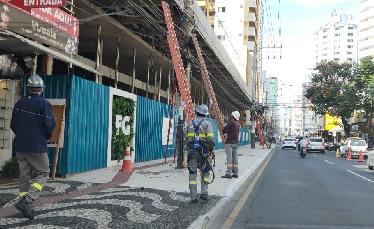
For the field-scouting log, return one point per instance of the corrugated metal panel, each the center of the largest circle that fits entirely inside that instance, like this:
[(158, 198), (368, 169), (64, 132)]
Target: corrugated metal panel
[(59, 87), (148, 139), (219, 145), (88, 126), (86, 135)]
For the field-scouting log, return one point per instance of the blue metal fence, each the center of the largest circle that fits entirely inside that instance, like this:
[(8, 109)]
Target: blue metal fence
[(86, 123), (148, 139)]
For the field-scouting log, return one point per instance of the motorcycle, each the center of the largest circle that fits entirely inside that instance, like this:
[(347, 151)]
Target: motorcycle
[(303, 152)]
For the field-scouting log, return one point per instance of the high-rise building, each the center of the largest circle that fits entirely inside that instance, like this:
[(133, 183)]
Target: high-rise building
[(366, 29), (236, 24), (270, 93), (311, 122), (337, 39)]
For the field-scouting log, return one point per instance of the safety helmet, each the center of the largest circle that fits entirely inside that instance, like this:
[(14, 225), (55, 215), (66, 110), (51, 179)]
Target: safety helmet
[(202, 109), (35, 81), (236, 115)]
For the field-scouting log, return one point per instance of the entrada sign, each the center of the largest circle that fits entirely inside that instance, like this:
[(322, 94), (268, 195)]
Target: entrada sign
[(28, 4)]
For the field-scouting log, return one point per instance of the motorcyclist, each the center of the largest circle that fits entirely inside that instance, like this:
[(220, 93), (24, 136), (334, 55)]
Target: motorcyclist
[(303, 143)]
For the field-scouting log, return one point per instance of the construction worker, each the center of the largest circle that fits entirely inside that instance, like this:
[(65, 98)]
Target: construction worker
[(200, 142), (33, 123), (231, 130)]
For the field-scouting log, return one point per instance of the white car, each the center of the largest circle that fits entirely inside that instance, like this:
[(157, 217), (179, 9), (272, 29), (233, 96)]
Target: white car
[(289, 143), (355, 145), (370, 161)]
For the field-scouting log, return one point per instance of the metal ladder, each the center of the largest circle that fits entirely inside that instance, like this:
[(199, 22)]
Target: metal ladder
[(181, 75), (178, 63), (208, 86)]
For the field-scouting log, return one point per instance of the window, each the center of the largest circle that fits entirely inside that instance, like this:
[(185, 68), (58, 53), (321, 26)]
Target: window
[(350, 40), (336, 59), (349, 53), (349, 46), (349, 59), (240, 34), (350, 34), (241, 6), (222, 9), (221, 37), (336, 34), (350, 27), (211, 13)]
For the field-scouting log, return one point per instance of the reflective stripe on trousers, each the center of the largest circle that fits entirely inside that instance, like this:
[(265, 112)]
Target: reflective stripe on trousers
[(232, 159)]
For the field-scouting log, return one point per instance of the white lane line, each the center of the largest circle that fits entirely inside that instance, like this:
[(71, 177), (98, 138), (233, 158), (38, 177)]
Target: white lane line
[(367, 179), (329, 162), (314, 155)]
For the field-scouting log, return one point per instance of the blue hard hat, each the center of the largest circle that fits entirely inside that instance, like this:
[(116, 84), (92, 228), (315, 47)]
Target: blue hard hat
[(202, 109)]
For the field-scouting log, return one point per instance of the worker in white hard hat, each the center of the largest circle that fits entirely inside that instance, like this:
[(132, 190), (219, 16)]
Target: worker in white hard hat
[(231, 131)]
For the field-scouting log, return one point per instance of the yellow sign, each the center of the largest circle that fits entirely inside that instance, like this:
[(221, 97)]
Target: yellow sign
[(331, 122)]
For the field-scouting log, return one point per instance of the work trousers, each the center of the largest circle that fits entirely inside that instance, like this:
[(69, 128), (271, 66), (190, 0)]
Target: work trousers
[(196, 161), (232, 159), (37, 162)]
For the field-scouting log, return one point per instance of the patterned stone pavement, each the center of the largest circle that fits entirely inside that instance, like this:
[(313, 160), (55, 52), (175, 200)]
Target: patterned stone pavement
[(9, 192), (117, 207)]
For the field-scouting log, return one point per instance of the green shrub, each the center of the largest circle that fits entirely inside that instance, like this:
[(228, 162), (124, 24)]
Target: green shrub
[(11, 169)]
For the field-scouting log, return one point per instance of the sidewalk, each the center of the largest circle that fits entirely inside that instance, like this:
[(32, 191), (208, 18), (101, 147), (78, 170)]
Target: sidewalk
[(155, 196)]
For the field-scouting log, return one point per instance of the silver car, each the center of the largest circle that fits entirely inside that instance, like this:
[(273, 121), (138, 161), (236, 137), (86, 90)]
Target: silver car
[(289, 143), (370, 161), (316, 145)]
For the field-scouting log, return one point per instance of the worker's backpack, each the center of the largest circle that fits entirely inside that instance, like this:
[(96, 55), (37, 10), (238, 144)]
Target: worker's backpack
[(196, 144)]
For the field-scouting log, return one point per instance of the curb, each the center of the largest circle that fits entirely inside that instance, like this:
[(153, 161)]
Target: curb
[(204, 220)]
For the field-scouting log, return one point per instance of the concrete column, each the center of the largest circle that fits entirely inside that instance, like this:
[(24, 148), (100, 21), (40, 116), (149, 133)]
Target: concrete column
[(148, 74), (168, 90), (47, 64), (117, 62), (133, 70), (99, 55), (159, 84)]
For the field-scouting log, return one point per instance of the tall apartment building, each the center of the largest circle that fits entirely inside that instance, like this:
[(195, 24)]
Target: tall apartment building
[(236, 24), (270, 92), (337, 39), (366, 29), (311, 122), (207, 6)]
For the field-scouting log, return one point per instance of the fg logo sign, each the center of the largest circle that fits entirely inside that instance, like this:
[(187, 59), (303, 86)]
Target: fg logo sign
[(123, 124)]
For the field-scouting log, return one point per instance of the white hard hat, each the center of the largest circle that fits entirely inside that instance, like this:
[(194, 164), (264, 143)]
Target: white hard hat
[(236, 115)]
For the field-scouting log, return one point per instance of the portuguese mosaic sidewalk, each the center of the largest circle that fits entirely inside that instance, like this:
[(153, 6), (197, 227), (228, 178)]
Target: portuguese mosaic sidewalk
[(154, 195)]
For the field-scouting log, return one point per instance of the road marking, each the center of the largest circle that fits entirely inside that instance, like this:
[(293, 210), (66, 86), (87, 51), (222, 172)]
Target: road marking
[(329, 162), (314, 155), (367, 179), (230, 220)]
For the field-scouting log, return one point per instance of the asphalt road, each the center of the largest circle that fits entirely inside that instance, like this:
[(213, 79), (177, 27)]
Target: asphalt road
[(320, 191)]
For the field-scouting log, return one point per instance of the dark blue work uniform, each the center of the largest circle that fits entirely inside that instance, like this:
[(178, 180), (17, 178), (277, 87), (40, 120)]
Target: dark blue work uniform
[(33, 124)]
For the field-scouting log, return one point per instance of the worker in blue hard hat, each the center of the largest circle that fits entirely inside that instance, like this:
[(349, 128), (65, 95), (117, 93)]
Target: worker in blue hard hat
[(200, 142)]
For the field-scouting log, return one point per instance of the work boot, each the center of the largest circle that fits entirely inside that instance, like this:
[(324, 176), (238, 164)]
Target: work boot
[(235, 175), (194, 201), (26, 208), (204, 197), (228, 176)]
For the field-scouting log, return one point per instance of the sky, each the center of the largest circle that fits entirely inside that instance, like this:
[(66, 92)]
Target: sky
[(299, 19)]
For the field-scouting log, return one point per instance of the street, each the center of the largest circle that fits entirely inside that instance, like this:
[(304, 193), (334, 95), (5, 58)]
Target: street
[(320, 191)]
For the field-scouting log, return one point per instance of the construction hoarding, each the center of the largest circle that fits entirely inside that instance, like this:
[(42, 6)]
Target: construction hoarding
[(49, 26)]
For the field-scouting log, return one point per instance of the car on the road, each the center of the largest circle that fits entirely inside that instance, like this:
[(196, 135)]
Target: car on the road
[(370, 161), (355, 145), (316, 144), (289, 143)]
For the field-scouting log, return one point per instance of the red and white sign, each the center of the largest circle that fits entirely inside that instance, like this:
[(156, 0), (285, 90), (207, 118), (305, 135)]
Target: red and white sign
[(58, 19), (28, 4)]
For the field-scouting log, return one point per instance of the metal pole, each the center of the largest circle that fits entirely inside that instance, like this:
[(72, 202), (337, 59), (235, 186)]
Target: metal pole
[(133, 70), (168, 90)]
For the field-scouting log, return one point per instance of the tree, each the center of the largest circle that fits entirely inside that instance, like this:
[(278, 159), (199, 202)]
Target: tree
[(333, 90), (365, 84)]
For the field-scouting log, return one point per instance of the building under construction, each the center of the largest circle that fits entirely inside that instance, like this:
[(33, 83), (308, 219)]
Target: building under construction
[(120, 49)]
